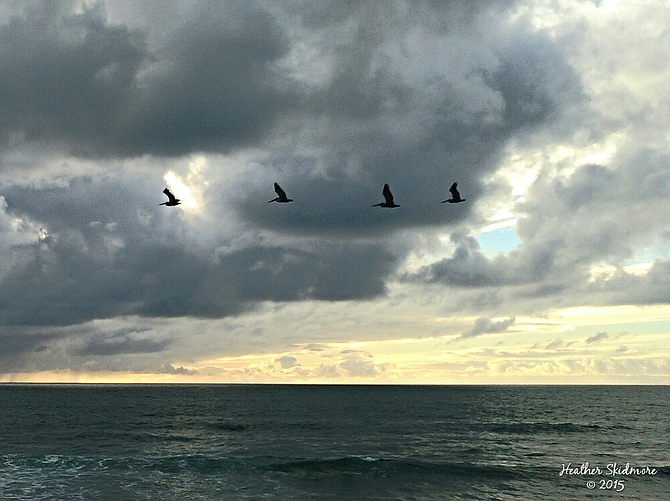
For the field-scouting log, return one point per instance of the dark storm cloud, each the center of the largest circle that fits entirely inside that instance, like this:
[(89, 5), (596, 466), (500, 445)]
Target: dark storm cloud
[(17, 343), (83, 271), (120, 345), (212, 77), (66, 77), (375, 124), (359, 86), (215, 88), (209, 84), (98, 89), (439, 14)]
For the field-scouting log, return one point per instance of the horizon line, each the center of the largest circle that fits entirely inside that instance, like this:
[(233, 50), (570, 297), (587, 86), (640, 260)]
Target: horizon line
[(275, 383)]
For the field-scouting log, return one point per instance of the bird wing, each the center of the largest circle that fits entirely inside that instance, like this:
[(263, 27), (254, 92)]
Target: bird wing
[(454, 192), (387, 194), (169, 195), (280, 192)]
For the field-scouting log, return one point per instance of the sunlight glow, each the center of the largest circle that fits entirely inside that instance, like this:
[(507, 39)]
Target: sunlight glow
[(639, 269), (180, 190)]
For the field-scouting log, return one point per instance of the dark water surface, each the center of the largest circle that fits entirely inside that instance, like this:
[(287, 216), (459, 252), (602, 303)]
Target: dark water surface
[(240, 442)]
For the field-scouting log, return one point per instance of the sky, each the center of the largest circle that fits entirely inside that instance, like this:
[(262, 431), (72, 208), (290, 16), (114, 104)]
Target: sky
[(552, 115)]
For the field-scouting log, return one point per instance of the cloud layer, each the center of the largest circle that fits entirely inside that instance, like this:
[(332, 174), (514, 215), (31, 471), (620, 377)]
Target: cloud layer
[(546, 129), (99, 89)]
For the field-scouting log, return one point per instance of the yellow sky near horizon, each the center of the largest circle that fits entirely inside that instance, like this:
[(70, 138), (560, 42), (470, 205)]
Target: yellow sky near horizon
[(563, 348)]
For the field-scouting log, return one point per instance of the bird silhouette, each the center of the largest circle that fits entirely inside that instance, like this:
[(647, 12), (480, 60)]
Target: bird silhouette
[(389, 203), (171, 199), (455, 195), (281, 198)]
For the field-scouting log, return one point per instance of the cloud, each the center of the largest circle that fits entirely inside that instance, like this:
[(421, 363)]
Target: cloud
[(120, 344), (596, 337), (628, 288), (529, 370), (87, 272), (484, 325), (181, 92), (470, 268), (41, 100), (99, 89), (327, 371), (359, 368), (286, 362), (382, 116), (555, 344), (180, 371), (523, 107), (314, 347), (14, 344), (570, 224)]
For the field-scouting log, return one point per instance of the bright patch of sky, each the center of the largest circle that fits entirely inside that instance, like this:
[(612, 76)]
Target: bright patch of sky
[(499, 241)]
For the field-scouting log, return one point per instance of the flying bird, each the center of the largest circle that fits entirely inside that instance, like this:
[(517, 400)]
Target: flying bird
[(389, 203), (281, 196), (455, 195), (171, 199)]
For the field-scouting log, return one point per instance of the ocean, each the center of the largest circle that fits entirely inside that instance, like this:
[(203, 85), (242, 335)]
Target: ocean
[(272, 442)]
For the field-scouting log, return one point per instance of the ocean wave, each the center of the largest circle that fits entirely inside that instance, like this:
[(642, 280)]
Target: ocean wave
[(228, 426), (167, 464), (304, 425), (663, 470), (349, 465), (356, 465), (537, 427)]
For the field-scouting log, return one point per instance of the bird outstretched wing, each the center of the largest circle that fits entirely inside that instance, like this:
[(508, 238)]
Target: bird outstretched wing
[(387, 194), (281, 193), (170, 196), (454, 192)]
